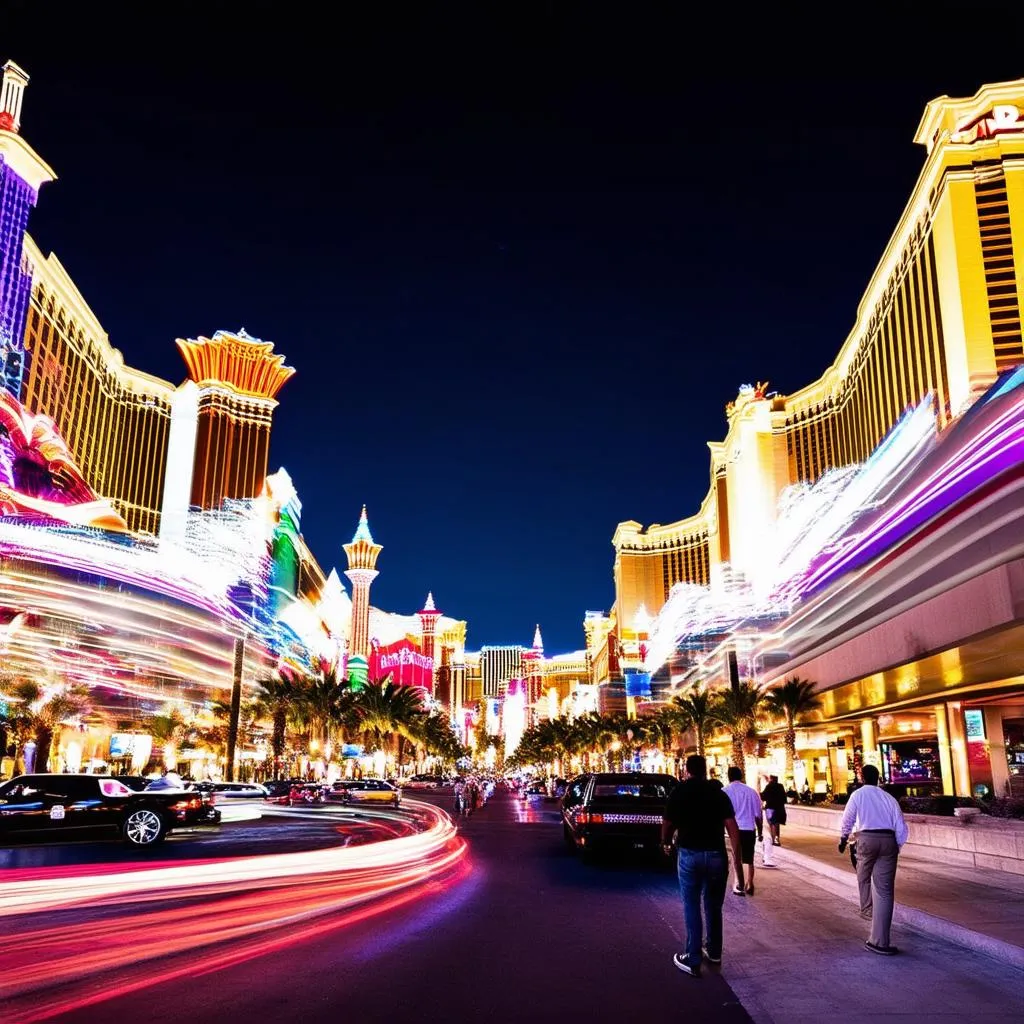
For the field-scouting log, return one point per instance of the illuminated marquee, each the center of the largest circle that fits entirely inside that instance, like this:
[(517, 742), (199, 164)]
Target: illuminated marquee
[(998, 121), (404, 662)]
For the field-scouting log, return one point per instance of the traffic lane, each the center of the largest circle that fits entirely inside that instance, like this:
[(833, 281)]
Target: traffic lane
[(277, 830), (530, 934)]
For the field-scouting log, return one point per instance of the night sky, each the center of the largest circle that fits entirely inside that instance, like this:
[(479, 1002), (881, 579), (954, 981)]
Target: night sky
[(520, 260)]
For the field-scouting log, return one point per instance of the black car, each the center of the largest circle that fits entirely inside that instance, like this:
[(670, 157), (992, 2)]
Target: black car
[(134, 782), (64, 806), (621, 810)]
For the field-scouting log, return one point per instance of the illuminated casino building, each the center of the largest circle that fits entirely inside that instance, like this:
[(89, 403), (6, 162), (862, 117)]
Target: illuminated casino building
[(938, 324), (151, 447), (147, 553), (509, 688)]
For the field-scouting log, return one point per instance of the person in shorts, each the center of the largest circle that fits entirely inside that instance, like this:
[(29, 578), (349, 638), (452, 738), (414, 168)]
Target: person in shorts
[(747, 805)]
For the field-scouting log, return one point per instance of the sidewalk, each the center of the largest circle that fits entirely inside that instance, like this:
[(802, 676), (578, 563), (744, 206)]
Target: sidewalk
[(980, 909)]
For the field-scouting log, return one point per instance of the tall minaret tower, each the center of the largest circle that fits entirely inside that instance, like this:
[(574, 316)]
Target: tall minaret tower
[(21, 175), (362, 560), (428, 630), (533, 674)]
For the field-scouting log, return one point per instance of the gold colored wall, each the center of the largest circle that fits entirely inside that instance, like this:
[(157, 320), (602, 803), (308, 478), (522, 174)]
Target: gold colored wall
[(114, 421), (232, 449)]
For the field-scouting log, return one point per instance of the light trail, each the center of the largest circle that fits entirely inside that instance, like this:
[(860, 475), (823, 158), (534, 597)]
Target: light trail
[(220, 912)]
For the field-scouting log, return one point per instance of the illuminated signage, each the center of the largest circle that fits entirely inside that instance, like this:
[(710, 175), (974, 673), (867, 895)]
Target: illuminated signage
[(1001, 118), (638, 684), (974, 723), (404, 662)]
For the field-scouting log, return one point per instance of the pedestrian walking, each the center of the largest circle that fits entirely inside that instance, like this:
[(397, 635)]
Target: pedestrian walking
[(700, 814), (459, 794), (774, 797), (746, 805), (881, 833)]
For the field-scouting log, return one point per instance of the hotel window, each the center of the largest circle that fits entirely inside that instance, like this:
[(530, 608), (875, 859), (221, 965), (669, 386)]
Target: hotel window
[(997, 257)]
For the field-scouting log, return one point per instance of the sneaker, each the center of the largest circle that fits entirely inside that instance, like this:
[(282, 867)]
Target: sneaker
[(738, 891), (881, 950), (750, 890), (711, 959), (685, 966), (775, 842)]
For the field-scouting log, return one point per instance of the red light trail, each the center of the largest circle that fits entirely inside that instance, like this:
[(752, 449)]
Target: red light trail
[(222, 912)]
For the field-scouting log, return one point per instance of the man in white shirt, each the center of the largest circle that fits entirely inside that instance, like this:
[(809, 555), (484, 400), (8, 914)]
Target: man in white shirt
[(881, 832), (747, 806)]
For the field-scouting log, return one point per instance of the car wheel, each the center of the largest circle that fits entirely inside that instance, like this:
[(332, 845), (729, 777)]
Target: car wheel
[(143, 827)]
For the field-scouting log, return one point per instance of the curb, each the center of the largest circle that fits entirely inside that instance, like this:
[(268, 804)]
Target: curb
[(844, 885)]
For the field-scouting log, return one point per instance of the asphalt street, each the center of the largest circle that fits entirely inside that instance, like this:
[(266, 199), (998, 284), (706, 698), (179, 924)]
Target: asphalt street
[(528, 934)]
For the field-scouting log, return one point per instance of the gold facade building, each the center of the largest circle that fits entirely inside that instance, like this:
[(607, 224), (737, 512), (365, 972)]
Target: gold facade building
[(115, 420), (149, 446), (923, 681), (940, 317)]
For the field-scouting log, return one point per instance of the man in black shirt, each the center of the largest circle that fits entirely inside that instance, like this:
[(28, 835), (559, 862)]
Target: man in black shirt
[(701, 814), (774, 797)]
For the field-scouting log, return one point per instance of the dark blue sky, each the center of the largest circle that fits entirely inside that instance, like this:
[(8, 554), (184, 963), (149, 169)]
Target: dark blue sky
[(520, 262)]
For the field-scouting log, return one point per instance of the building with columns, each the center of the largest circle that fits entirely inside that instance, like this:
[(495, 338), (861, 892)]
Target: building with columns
[(938, 324)]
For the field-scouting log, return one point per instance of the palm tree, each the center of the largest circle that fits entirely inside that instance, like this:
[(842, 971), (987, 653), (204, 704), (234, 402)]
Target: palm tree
[(167, 728), (385, 712), (794, 698), (277, 698), (436, 735), (736, 709), (695, 710), (22, 720), (325, 704), (70, 702), (590, 735)]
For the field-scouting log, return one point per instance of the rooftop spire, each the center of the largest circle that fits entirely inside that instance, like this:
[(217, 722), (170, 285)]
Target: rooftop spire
[(12, 92), (538, 643), (429, 605), (363, 529)]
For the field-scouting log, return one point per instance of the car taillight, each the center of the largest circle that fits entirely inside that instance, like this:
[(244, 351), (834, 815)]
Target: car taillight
[(184, 805), (587, 818)]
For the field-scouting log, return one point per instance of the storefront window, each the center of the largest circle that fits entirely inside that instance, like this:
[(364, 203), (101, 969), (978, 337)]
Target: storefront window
[(1013, 734), (913, 766)]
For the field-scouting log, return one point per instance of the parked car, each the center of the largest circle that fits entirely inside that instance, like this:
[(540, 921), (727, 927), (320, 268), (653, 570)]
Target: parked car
[(63, 806), (621, 810), (240, 791), (305, 794), (424, 782), (279, 790), (367, 791)]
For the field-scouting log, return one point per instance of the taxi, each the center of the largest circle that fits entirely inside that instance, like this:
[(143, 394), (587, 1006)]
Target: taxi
[(367, 791)]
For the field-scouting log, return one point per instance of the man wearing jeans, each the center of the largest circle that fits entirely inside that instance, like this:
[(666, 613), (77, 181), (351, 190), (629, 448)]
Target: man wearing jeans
[(881, 832), (701, 814)]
